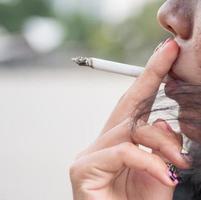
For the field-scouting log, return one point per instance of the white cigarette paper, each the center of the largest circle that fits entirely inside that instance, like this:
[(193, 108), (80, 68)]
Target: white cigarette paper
[(110, 66), (117, 67)]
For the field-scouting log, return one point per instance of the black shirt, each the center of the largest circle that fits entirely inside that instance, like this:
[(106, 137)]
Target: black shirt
[(187, 191)]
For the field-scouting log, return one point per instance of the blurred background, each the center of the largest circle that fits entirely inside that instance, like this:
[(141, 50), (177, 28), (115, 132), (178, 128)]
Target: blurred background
[(51, 109)]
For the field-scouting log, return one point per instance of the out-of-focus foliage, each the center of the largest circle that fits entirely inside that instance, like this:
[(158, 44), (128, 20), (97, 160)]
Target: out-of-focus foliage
[(133, 40), (140, 34), (14, 13), (93, 34)]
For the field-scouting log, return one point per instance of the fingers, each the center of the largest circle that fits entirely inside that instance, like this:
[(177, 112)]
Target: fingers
[(163, 141), (103, 165), (160, 123), (117, 135), (147, 84), (157, 68), (155, 137)]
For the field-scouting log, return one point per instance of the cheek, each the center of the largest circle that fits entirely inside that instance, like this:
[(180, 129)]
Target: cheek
[(197, 44), (188, 64), (197, 36)]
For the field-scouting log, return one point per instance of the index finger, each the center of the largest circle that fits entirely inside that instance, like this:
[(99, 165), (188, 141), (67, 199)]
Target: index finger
[(156, 69), (147, 84)]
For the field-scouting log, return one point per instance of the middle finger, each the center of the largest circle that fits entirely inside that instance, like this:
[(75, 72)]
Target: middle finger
[(162, 141), (157, 139)]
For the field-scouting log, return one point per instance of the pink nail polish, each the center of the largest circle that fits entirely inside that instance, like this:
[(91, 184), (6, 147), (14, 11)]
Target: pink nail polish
[(172, 177), (176, 182)]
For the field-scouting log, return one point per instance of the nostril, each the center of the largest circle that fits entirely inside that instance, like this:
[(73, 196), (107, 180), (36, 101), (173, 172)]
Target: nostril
[(169, 28), (176, 18)]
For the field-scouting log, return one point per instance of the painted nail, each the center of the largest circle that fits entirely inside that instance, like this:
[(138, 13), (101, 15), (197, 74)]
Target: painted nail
[(176, 182), (173, 177), (172, 168), (173, 173)]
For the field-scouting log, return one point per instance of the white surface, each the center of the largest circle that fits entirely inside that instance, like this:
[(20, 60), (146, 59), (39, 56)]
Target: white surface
[(46, 117)]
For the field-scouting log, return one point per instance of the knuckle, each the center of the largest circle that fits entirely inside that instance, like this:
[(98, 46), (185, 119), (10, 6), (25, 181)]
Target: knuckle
[(84, 152), (140, 133), (73, 171), (124, 148), (76, 171), (80, 155), (127, 125)]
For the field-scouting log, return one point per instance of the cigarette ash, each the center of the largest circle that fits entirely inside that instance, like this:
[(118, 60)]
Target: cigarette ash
[(82, 61)]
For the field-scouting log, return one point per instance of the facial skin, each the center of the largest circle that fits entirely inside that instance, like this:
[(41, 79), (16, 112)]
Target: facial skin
[(183, 19)]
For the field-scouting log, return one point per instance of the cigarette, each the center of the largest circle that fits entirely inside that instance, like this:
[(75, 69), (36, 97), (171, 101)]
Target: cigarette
[(110, 66)]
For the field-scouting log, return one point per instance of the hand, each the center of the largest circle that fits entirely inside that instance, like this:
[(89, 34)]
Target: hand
[(114, 168)]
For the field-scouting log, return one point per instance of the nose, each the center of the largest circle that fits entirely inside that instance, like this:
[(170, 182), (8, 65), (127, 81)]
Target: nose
[(176, 17)]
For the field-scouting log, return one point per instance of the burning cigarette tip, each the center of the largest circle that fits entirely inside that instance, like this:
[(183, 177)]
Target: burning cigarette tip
[(82, 61)]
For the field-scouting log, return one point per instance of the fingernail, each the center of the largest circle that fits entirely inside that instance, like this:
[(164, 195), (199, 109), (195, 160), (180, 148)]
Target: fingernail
[(172, 168), (159, 46), (167, 41), (172, 173), (176, 182), (169, 128), (173, 177), (162, 44), (164, 125)]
